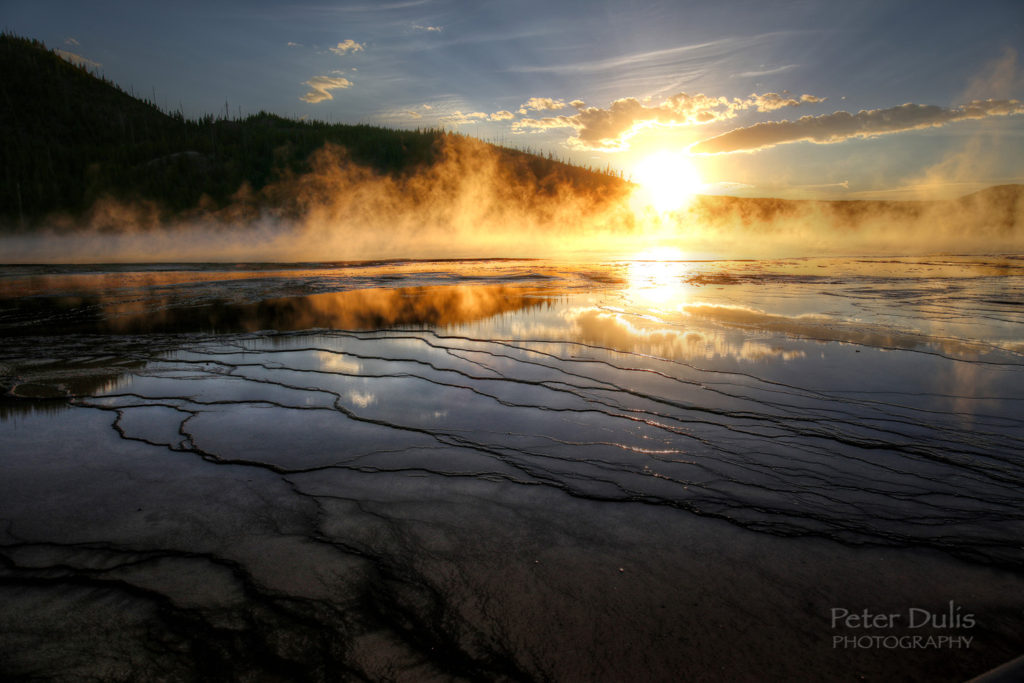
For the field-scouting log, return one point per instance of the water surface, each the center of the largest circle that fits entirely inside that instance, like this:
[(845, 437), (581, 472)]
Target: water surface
[(510, 469)]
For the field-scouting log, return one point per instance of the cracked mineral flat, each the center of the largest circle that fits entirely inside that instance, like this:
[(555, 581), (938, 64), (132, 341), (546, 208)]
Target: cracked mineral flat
[(512, 470)]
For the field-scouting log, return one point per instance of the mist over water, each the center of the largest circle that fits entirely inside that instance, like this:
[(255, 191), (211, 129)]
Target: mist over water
[(475, 203)]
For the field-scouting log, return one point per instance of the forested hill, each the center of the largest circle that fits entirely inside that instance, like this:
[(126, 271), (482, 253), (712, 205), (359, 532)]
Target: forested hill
[(71, 138)]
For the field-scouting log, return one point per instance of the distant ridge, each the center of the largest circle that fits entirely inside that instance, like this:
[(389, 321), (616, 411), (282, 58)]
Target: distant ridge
[(999, 208)]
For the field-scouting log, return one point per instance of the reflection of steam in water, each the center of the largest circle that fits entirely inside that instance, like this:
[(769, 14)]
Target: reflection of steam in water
[(352, 310)]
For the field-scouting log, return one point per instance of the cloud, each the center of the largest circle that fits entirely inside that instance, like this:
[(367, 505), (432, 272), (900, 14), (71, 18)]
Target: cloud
[(71, 41), (525, 125), (765, 72), (772, 101), (666, 56), (841, 125), (412, 114), (502, 115), (459, 119), (430, 29), (291, 44), (78, 60), (347, 46), (321, 87), (542, 104), (610, 129)]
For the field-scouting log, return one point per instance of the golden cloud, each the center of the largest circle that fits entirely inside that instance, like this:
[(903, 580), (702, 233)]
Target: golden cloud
[(321, 87), (841, 125), (347, 46), (610, 129)]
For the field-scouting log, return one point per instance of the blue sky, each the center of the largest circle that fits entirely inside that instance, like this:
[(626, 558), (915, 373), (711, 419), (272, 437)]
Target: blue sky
[(799, 98)]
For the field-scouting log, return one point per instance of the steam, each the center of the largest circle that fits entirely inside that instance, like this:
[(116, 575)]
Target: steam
[(477, 201), (981, 155)]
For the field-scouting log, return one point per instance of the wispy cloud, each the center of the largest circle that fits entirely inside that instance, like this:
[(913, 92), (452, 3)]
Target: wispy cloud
[(291, 44), (379, 6), (623, 61), (766, 72), (610, 129), (321, 87), (841, 125), (71, 41), (460, 119), (347, 46), (78, 59), (429, 29)]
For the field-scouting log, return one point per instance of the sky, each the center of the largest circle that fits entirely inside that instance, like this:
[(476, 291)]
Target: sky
[(803, 98)]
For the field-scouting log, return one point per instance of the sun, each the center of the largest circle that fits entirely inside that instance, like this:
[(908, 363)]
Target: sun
[(668, 180)]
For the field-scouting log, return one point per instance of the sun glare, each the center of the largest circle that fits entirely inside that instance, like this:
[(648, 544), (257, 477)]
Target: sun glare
[(668, 180)]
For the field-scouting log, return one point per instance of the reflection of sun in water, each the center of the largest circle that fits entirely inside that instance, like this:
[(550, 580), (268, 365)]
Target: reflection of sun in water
[(657, 278), (668, 180)]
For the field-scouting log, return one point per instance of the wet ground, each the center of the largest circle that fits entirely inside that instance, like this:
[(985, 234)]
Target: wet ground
[(520, 470)]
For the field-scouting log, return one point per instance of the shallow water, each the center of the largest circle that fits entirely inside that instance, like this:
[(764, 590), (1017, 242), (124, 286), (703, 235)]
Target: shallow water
[(512, 469)]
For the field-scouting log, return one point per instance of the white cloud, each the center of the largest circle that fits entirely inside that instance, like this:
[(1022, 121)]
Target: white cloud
[(321, 87), (291, 44), (431, 29), (71, 41), (502, 115), (841, 125), (78, 60), (347, 46)]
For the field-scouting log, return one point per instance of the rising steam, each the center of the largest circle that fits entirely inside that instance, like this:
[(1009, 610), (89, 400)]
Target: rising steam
[(479, 201)]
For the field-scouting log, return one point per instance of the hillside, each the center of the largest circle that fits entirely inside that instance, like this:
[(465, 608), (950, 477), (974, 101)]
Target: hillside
[(72, 139)]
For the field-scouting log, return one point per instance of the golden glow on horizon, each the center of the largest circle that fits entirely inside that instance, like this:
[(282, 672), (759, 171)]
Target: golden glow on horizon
[(668, 180)]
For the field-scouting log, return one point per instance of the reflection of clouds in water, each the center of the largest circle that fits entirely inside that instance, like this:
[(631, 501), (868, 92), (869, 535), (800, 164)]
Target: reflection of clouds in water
[(362, 399), (1012, 346), (337, 363), (604, 328), (825, 329)]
